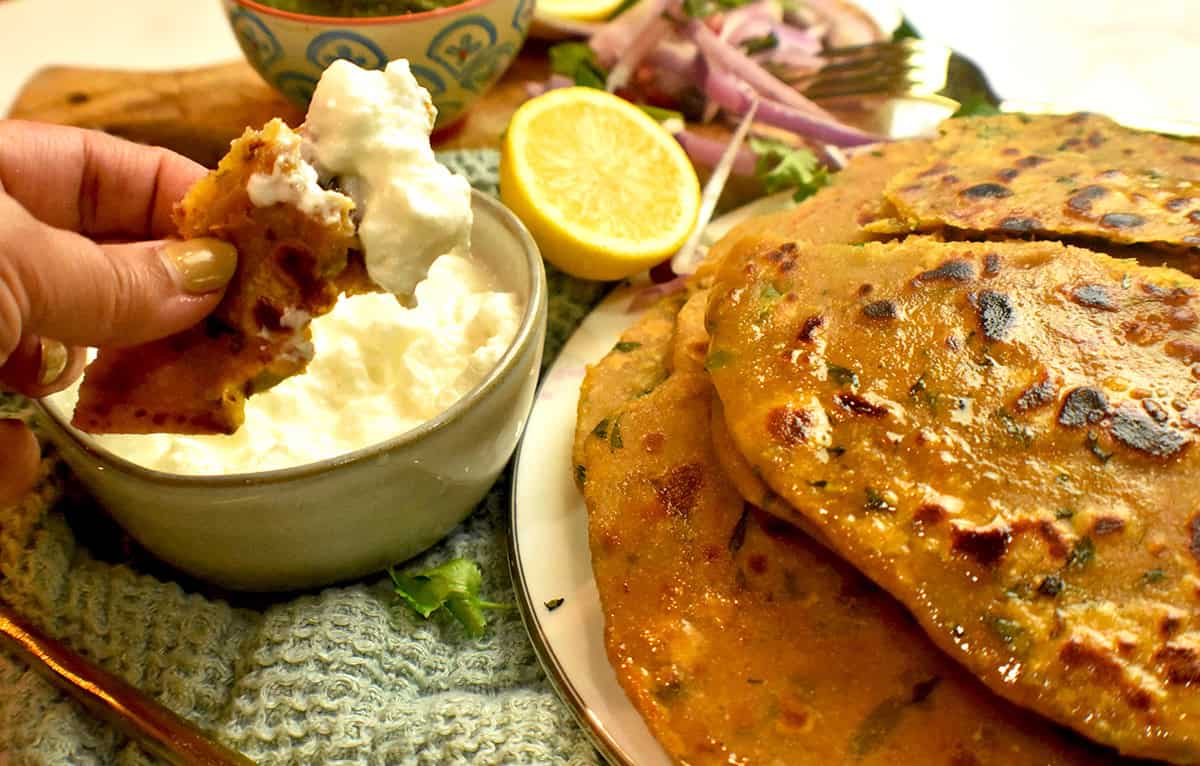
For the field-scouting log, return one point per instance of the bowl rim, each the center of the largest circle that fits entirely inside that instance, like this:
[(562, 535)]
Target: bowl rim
[(527, 332), (359, 21)]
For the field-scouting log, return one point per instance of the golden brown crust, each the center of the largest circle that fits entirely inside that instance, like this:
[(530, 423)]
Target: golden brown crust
[(291, 267), (739, 639), (1003, 436), (1052, 176)]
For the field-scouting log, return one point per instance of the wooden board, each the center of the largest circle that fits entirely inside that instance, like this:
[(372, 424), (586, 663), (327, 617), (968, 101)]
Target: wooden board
[(197, 112)]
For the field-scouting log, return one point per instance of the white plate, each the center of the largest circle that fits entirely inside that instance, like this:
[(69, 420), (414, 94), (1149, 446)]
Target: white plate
[(549, 553)]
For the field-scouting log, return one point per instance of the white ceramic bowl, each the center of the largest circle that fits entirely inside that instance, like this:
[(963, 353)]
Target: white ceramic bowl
[(457, 53), (352, 515)]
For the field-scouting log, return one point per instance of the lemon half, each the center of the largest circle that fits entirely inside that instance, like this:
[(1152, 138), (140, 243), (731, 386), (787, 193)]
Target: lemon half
[(603, 188)]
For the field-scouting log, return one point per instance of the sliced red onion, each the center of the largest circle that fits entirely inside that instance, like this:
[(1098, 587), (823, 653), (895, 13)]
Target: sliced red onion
[(722, 55), (835, 158), (611, 40), (533, 89), (675, 56), (555, 81), (737, 97), (751, 28), (755, 14), (648, 38), (689, 256), (648, 296), (708, 152), (793, 38)]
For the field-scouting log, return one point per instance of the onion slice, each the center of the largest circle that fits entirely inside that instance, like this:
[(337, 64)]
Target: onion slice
[(737, 98), (613, 38), (649, 295), (708, 152), (647, 39), (722, 55), (688, 257)]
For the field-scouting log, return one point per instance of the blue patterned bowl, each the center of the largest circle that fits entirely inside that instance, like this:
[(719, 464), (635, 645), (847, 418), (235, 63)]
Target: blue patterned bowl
[(457, 53)]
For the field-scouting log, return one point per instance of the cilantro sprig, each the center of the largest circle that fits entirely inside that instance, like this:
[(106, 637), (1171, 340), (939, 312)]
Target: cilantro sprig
[(577, 61), (453, 586), (782, 166)]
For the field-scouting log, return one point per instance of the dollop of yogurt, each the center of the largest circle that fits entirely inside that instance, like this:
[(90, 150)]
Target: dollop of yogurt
[(370, 130), (381, 369)]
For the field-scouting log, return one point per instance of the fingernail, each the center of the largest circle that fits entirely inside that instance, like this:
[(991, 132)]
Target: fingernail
[(200, 265), (54, 361)]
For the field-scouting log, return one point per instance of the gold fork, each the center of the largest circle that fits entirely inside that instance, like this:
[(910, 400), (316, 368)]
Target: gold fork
[(159, 730), (912, 67)]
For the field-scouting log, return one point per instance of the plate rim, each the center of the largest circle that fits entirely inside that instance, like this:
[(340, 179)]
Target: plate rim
[(612, 752)]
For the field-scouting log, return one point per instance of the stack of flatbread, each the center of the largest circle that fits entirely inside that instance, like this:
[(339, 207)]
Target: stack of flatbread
[(909, 473)]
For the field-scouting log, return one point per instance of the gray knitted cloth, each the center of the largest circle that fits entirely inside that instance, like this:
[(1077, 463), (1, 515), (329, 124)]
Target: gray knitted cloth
[(343, 676)]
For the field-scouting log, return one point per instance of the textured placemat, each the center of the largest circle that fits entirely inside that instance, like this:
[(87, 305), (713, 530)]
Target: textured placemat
[(341, 676)]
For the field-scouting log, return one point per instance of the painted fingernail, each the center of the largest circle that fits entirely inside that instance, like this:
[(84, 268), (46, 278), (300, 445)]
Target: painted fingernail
[(200, 265), (54, 361)]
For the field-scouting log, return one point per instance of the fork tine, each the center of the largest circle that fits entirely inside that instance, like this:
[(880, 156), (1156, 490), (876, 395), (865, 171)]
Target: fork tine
[(908, 66), (893, 87), (882, 48), (882, 74)]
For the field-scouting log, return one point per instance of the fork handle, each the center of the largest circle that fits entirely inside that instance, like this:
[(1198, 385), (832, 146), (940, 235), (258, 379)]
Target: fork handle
[(161, 731)]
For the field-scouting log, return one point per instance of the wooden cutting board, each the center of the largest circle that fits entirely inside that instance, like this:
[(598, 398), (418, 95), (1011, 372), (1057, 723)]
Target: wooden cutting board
[(197, 112)]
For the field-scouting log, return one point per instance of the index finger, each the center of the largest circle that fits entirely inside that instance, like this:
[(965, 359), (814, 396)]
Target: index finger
[(91, 182)]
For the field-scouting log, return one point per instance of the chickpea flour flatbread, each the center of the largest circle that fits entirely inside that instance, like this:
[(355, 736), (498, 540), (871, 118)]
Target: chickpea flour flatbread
[(838, 212), (291, 267), (1003, 436), (1053, 176), (740, 640)]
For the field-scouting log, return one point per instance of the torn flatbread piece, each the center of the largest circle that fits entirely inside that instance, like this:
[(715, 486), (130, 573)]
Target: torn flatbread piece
[(1077, 176), (1002, 435), (294, 260), (738, 638)]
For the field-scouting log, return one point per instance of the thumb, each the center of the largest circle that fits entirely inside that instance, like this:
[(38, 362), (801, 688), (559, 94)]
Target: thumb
[(58, 284)]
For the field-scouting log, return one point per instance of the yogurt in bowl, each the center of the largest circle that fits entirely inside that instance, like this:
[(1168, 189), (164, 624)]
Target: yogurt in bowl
[(379, 369), (404, 420)]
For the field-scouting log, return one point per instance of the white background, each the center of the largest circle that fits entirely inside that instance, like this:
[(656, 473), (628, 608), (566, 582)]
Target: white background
[(1106, 55)]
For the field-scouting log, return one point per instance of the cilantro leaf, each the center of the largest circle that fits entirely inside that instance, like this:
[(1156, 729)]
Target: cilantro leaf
[(660, 114), (976, 105), (782, 166), (577, 61), (453, 586)]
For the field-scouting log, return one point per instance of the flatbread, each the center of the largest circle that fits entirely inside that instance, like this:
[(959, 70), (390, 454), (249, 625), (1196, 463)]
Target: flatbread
[(1003, 436), (1052, 176), (837, 213), (291, 267), (737, 638), (632, 369)]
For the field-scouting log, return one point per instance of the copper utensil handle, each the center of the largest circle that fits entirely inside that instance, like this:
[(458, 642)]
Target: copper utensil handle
[(162, 732)]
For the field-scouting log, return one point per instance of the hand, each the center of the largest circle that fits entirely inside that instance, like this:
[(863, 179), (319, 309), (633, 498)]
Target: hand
[(60, 189)]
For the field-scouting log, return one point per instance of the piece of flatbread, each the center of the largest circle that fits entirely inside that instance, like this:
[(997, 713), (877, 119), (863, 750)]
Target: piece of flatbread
[(292, 266), (1078, 176), (738, 638), (1001, 434)]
